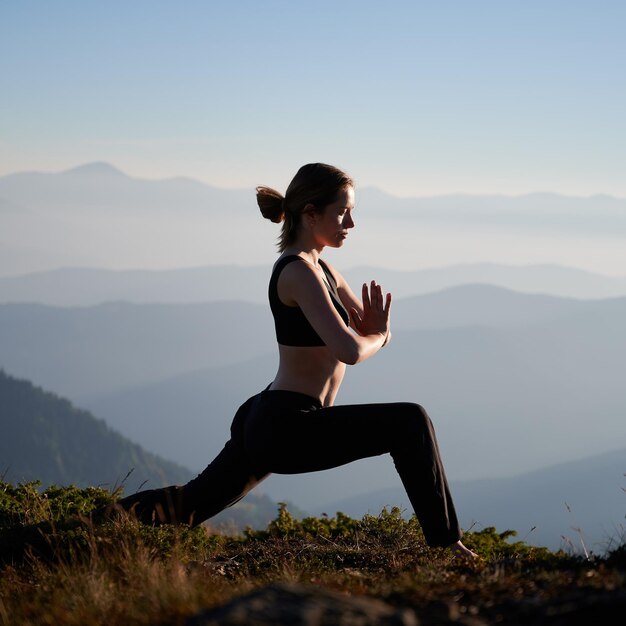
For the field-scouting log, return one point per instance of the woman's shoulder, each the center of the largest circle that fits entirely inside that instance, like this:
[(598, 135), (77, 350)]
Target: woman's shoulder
[(285, 260), (287, 268)]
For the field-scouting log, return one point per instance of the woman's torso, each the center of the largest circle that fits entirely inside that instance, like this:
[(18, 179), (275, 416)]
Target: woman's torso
[(312, 371), (306, 367)]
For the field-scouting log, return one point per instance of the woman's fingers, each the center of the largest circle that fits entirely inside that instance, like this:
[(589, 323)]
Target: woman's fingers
[(376, 308), (374, 294), (373, 297), (365, 297)]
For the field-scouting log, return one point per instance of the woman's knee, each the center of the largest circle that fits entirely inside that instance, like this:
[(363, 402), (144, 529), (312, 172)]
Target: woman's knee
[(415, 417)]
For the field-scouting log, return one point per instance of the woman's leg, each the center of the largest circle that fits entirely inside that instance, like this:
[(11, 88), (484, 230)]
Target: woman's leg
[(227, 479), (290, 433), (284, 438)]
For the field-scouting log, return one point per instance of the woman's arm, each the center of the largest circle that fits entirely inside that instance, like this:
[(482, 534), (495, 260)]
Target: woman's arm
[(299, 284), (346, 295), (350, 300)]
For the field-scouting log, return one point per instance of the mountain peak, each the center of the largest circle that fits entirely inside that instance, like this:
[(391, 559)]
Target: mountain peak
[(97, 168)]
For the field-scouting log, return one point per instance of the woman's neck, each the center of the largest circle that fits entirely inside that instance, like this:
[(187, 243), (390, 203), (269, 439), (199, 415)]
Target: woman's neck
[(310, 254)]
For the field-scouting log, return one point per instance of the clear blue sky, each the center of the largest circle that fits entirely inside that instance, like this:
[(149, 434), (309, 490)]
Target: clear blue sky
[(417, 98)]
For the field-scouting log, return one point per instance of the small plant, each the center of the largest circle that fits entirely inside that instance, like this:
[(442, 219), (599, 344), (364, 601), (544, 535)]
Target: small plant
[(491, 544)]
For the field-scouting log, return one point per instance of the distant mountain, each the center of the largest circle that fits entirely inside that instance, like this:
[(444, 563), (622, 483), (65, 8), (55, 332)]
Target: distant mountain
[(95, 170), (97, 216), (538, 212), (45, 437), (102, 185), (114, 346), (90, 286), (70, 287), (95, 186), (95, 350), (483, 305), (556, 506), (531, 279)]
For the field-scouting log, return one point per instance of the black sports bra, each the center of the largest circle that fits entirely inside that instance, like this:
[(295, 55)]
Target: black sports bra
[(292, 326)]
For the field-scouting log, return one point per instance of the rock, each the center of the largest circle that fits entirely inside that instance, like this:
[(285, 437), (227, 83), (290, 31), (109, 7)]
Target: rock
[(288, 604)]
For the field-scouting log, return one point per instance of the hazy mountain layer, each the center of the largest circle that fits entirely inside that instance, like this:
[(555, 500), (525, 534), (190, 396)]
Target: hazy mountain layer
[(96, 216), (543, 373), (102, 349), (89, 286)]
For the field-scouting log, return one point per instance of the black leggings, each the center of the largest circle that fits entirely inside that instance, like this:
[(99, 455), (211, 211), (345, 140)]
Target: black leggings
[(284, 432)]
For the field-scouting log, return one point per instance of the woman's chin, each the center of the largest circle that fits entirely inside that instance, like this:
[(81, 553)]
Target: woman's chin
[(335, 243)]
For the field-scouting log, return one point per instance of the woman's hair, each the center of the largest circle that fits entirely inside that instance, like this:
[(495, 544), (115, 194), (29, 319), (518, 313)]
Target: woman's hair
[(316, 183)]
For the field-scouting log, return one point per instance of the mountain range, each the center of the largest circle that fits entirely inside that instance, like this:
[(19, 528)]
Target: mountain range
[(95, 215), (82, 286), (101, 185)]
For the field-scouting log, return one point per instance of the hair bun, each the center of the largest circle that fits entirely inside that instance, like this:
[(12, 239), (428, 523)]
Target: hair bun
[(271, 203)]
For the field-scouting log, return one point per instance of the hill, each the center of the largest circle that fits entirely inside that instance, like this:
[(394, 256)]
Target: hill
[(44, 437)]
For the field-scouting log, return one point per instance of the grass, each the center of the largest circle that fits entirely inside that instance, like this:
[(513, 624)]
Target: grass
[(56, 567)]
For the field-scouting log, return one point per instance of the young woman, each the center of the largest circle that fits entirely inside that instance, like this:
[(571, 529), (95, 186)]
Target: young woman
[(293, 426)]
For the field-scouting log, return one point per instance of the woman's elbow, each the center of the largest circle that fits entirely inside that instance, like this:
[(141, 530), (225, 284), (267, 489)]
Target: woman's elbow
[(351, 359), (348, 353)]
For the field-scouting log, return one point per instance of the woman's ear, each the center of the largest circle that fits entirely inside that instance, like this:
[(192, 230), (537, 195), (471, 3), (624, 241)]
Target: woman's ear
[(309, 214)]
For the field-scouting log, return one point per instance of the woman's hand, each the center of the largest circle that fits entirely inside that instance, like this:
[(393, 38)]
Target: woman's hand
[(376, 309)]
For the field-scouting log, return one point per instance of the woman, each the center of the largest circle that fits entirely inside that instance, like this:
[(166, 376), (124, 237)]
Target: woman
[(321, 326)]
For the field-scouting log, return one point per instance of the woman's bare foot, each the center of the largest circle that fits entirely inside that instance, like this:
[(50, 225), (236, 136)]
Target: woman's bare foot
[(460, 550)]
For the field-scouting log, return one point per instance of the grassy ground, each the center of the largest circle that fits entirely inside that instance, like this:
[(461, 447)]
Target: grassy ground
[(56, 567)]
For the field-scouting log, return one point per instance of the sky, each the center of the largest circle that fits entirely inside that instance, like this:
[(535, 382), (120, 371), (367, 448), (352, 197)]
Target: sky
[(416, 98)]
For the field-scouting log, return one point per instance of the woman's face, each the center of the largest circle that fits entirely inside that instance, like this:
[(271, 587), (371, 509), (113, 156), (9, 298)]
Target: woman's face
[(330, 228)]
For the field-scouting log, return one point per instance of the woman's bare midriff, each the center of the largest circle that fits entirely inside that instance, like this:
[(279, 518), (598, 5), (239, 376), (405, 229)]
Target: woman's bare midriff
[(313, 371)]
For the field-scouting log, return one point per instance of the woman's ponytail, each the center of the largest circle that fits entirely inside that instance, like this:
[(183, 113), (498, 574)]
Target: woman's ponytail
[(271, 203)]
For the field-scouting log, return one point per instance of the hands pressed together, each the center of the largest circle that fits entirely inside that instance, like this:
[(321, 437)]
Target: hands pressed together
[(376, 309)]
